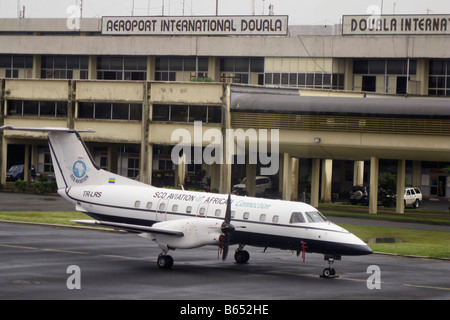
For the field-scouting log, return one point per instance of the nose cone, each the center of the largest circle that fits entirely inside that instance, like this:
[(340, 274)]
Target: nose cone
[(363, 250)]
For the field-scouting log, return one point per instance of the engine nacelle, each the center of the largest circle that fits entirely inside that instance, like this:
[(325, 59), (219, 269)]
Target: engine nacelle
[(197, 233)]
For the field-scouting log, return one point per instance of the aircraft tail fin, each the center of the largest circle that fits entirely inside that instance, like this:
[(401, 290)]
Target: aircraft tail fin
[(72, 162)]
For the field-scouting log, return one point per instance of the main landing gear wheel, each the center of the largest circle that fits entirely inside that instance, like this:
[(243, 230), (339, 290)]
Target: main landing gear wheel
[(165, 262), (241, 256)]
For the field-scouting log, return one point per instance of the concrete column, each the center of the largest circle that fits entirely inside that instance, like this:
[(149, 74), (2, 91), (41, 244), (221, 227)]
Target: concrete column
[(280, 174), (287, 177), (180, 172), (416, 173), (422, 76), (214, 68), (26, 165), (113, 158), (348, 75), (3, 161), (214, 170), (358, 173), (315, 182), (92, 68), (36, 71), (295, 169), (250, 175), (150, 68), (327, 172), (373, 193), (401, 173)]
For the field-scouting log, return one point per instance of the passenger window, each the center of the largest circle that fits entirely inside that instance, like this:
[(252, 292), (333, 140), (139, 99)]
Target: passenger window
[(275, 219), (202, 211), (188, 209), (246, 215), (217, 213), (162, 206), (262, 218), (233, 213), (149, 205), (297, 217), (315, 216), (175, 208), (137, 204)]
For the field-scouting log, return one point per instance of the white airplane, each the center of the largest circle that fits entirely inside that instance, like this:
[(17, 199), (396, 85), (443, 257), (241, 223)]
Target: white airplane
[(178, 219)]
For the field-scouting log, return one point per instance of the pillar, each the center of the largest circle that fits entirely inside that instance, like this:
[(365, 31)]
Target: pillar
[(294, 186), (92, 68), (327, 172), (214, 68), (287, 176), (358, 173), (150, 68), (250, 178), (416, 173), (315, 182), (3, 161), (36, 71), (180, 172), (26, 165), (401, 172), (373, 194), (214, 171)]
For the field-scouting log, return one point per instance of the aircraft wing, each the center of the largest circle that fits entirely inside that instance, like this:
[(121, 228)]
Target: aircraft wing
[(131, 227)]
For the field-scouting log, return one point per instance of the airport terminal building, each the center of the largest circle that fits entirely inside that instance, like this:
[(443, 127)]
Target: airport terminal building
[(345, 102)]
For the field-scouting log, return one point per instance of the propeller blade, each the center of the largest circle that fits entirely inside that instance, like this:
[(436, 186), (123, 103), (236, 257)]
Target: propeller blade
[(226, 228), (228, 210)]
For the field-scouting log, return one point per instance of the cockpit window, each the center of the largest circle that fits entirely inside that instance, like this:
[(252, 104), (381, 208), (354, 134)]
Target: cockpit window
[(315, 216), (297, 217)]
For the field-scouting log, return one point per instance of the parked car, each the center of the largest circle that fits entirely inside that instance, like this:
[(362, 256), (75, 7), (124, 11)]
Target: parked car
[(360, 194), (16, 172), (413, 197), (262, 185)]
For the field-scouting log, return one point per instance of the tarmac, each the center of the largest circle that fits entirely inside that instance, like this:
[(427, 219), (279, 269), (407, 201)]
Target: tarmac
[(43, 262)]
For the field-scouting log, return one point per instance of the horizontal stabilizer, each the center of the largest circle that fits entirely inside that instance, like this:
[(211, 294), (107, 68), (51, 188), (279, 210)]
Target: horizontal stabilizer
[(130, 227)]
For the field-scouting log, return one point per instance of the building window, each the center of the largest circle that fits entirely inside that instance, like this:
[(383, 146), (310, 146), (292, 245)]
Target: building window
[(109, 111), (16, 66), (129, 161), (64, 67), (121, 68), (315, 73), (187, 113), (51, 109), (383, 75), (180, 68), (439, 79), (242, 70)]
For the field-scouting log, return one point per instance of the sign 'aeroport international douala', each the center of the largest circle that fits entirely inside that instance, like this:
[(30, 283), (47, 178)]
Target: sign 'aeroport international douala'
[(396, 25), (196, 25)]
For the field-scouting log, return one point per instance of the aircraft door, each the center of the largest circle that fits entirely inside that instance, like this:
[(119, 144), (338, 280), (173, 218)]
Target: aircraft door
[(161, 210)]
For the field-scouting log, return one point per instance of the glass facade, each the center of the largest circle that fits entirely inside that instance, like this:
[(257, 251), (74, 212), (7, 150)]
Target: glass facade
[(439, 80), (383, 75), (64, 67)]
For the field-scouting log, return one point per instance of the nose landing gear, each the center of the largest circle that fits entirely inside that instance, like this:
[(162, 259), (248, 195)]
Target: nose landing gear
[(330, 272)]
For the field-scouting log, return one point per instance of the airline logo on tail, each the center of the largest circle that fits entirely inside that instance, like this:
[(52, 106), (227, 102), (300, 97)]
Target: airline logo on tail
[(79, 172)]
